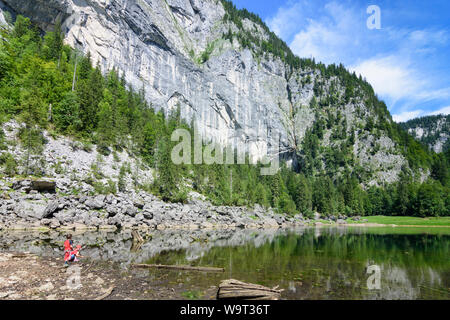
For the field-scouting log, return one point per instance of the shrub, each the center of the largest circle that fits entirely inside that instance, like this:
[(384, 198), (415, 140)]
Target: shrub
[(121, 182), (96, 172), (3, 145), (9, 163), (181, 196), (87, 146), (309, 214), (103, 149), (101, 188), (59, 169)]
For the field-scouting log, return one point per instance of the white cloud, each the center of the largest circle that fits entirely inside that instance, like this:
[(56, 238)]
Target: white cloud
[(445, 110), (430, 94), (286, 20), (428, 37), (408, 115), (328, 38), (390, 77), (394, 78), (405, 116), (311, 42)]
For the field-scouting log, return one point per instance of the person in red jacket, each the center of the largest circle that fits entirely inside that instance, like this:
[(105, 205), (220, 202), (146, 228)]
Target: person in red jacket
[(70, 255)]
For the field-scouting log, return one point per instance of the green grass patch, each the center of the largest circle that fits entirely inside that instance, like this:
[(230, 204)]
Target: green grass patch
[(410, 221), (192, 295)]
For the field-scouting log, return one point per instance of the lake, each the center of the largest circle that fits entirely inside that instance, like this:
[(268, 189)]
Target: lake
[(308, 263)]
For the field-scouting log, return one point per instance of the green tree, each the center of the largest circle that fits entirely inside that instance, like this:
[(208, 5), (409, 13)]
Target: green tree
[(90, 93), (66, 113), (22, 27), (32, 115), (262, 195), (105, 130), (285, 204), (324, 198), (430, 200), (439, 169), (168, 178), (303, 195), (53, 43)]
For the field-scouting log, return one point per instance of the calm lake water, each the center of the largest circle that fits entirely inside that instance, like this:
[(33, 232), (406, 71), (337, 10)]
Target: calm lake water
[(308, 263)]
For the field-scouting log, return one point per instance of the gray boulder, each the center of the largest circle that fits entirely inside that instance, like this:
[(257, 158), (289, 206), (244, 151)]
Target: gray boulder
[(94, 204), (131, 211), (51, 208), (65, 216), (147, 215), (112, 211), (34, 210), (100, 198), (117, 220), (138, 204), (139, 217), (279, 219)]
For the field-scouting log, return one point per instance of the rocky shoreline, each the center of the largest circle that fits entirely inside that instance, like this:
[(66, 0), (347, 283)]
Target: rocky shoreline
[(45, 278), (26, 209)]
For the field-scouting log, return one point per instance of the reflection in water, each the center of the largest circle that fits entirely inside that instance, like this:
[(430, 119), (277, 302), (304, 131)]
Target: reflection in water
[(309, 263)]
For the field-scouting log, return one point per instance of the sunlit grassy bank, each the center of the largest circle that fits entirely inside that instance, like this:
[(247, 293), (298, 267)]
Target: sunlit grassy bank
[(409, 221)]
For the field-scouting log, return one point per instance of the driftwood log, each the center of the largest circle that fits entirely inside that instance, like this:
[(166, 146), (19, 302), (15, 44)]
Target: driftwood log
[(237, 290), (106, 294), (175, 267)]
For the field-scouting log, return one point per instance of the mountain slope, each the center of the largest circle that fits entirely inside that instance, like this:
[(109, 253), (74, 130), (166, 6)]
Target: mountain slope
[(433, 131), (242, 85)]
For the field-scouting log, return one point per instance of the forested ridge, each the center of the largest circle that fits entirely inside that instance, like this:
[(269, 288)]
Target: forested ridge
[(49, 86), (433, 128)]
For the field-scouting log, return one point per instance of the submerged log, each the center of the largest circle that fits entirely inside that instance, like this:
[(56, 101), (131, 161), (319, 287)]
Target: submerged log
[(175, 267), (234, 289)]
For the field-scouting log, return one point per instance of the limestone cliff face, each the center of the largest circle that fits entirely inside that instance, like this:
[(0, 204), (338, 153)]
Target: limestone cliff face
[(235, 98)]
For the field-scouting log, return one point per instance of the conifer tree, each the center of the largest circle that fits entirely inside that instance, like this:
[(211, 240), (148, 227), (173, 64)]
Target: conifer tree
[(31, 134), (53, 43), (105, 129)]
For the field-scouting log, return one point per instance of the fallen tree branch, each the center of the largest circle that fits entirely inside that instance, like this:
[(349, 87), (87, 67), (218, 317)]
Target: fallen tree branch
[(175, 267), (88, 268), (234, 289), (106, 294)]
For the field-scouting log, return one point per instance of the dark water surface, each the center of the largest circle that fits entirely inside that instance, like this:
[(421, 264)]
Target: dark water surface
[(308, 263)]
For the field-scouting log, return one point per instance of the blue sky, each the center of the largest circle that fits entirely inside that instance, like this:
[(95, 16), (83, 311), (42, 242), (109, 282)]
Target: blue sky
[(407, 61)]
